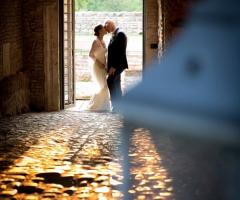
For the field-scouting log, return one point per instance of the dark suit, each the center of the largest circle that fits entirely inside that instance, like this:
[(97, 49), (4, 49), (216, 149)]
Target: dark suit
[(117, 59)]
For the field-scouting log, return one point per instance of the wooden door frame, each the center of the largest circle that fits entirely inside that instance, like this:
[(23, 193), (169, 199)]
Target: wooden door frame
[(51, 56), (61, 49), (61, 53)]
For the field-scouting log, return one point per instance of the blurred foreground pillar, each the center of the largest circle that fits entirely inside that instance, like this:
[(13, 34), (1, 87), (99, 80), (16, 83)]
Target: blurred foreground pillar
[(194, 93)]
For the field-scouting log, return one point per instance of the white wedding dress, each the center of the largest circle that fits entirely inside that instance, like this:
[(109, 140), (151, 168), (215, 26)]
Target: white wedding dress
[(100, 101)]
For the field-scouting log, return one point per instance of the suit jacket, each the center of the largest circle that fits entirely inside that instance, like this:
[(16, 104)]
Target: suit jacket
[(117, 51)]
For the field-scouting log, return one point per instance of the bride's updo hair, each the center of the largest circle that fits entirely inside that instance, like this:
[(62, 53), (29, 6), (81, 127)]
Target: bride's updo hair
[(97, 29)]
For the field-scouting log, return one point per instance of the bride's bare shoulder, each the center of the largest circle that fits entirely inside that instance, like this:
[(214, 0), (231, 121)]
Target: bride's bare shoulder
[(96, 41)]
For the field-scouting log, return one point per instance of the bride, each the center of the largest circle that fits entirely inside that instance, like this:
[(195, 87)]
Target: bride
[(100, 101)]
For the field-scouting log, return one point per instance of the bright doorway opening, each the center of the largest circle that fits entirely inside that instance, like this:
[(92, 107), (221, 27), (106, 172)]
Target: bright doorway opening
[(128, 15)]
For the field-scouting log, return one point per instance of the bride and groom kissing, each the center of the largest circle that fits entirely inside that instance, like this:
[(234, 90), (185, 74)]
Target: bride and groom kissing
[(107, 66)]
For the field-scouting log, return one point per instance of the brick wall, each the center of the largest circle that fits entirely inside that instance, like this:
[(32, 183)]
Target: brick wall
[(10, 38), (33, 50), (22, 53), (130, 22), (171, 15), (151, 30), (175, 14), (14, 97), (14, 90)]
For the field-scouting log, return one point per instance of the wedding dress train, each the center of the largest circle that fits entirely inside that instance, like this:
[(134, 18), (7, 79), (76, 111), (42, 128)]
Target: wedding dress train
[(100, 101)]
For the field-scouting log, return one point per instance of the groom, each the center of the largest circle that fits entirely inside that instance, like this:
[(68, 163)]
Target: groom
[(116, 60)]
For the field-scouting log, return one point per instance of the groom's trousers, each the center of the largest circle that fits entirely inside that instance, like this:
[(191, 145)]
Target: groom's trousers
[(114, 85)]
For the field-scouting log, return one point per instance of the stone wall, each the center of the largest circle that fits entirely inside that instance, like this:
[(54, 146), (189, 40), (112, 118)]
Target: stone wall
[(151, 31), (164, 20), (175, 14), (29, 52), (130, 22), (14, 88), (33, 50), (10, 38), (14, 97), (41, 50)]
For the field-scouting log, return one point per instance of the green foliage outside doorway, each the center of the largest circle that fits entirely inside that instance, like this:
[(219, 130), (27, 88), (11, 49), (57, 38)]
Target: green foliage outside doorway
[(109, 5)]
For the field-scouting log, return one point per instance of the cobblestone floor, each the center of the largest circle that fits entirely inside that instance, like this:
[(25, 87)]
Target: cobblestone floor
[(74, 155)]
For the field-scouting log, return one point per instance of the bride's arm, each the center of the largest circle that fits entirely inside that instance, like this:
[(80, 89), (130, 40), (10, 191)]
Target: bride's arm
[(94, 47)]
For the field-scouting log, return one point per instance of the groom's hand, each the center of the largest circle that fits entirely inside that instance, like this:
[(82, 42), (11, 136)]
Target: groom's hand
[(111, 71)]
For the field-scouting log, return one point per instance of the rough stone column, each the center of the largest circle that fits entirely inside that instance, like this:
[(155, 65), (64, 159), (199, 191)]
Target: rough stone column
[(41, 50), (51, 55), (33, 50), (14, 87), (175, 13), (151, 31)]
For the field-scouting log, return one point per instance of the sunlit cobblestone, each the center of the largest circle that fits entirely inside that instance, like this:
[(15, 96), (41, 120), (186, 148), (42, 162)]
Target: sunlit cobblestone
[(75, 155), (63, 155)]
